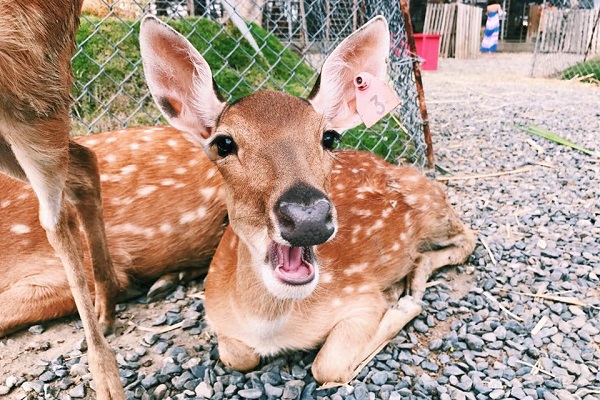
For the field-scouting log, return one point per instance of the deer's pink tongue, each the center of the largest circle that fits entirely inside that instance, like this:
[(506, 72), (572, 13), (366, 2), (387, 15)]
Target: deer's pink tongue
[(292, 259), (291, 265)]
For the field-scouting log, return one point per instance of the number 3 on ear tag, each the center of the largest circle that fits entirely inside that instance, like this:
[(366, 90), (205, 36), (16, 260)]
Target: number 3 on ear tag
[(374, 99)]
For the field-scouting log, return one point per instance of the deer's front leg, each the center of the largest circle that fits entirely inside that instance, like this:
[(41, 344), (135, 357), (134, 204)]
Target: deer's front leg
[(343, 349), (236, 354), (358, 339)]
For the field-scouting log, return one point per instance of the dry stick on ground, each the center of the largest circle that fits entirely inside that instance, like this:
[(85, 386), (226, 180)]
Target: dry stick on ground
[(506, 310), (538, 327), (487, 247), (478, 176), (568, 300)]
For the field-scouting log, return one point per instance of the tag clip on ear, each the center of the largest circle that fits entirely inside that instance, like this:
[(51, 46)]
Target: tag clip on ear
[(374, 98)]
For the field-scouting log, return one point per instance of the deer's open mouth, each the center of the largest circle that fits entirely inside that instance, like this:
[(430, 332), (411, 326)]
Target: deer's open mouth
[(292, 265)]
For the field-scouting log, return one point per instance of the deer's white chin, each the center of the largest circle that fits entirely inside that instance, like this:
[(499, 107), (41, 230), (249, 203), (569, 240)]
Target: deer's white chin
[(292, 273)]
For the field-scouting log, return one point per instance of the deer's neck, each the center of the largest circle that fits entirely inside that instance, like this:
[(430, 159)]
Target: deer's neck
[(252, 292)]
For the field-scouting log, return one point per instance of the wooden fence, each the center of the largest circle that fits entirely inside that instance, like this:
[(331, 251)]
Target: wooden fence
[(459, 25), (570, 31)]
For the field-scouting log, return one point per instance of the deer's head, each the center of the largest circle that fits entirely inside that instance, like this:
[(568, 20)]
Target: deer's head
[(274, 150)]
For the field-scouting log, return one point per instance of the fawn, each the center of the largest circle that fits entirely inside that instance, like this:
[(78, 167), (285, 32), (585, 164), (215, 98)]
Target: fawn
[(37, 39), (319, 241), (164, 209)]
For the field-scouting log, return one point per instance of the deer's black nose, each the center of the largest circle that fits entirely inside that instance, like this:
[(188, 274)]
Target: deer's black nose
[(305, 216)]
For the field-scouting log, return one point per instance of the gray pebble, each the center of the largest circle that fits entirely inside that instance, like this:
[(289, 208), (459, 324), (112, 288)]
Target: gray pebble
[(253, 393)]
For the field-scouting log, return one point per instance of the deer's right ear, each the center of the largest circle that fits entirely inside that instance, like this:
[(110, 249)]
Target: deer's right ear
[(365, 50), (179, 79)]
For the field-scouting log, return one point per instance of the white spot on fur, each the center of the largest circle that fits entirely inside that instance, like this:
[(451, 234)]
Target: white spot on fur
[(166, 228), (193, 163), (365, 189), (146, 190), (355, 268), (326, 277), (23, 196), (91, 142), (146, 138), (208, 193), (161, 159), (336, 302), (128, 169), (411, 199), (396, 246), (179, 185), (187, 217), (348, 289), (201, 212), (411, 178), (180, 171), (172, 143), (354, 171), (5, 204), (375, 227), (407, 219), (364, 289), (168, 182), (340, 187), (132, 229), (134, 146), (111, 158), (111, 139), (386, 213), (20, 229), (403, 237), (125, 201), (103, 177), (361, 212)]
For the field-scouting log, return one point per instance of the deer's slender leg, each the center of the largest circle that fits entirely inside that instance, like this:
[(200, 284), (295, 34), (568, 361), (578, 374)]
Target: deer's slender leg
[(83, 191)]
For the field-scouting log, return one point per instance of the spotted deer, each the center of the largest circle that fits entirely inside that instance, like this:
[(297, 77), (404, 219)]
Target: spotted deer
[(37, 39), (164, 209), (319, 241)]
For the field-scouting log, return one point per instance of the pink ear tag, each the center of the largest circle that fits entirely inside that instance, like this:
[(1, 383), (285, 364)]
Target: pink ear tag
[(374, 98)]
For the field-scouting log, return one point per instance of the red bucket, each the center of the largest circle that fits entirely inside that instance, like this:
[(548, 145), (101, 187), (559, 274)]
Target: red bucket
[(428, 48)]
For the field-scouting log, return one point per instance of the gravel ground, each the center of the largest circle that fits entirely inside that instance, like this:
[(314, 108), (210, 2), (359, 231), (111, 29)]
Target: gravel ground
[(482, 333)]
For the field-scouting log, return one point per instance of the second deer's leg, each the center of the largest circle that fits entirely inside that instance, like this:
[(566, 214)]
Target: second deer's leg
[(34, 299), (83, 191), (454, 250)]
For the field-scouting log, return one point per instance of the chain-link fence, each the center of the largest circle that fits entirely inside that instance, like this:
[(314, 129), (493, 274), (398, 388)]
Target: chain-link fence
[(250, 45), (568, 40)]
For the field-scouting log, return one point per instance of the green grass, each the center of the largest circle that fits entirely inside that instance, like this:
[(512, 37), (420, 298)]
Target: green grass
[(109, 73), (111, 92), (588, 69)]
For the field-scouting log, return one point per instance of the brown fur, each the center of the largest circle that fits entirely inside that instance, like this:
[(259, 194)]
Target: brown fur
[(145, 232)]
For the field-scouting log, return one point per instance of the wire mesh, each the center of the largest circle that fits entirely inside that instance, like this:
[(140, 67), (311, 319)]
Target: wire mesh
[(568, 40), (292, 37)]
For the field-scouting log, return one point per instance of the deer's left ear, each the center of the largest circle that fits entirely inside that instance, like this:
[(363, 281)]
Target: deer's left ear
[(180, 80), (366, 50)]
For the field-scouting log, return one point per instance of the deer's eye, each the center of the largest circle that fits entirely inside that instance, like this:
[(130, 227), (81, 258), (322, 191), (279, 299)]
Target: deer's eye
[(329, 139), (225, 145)]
